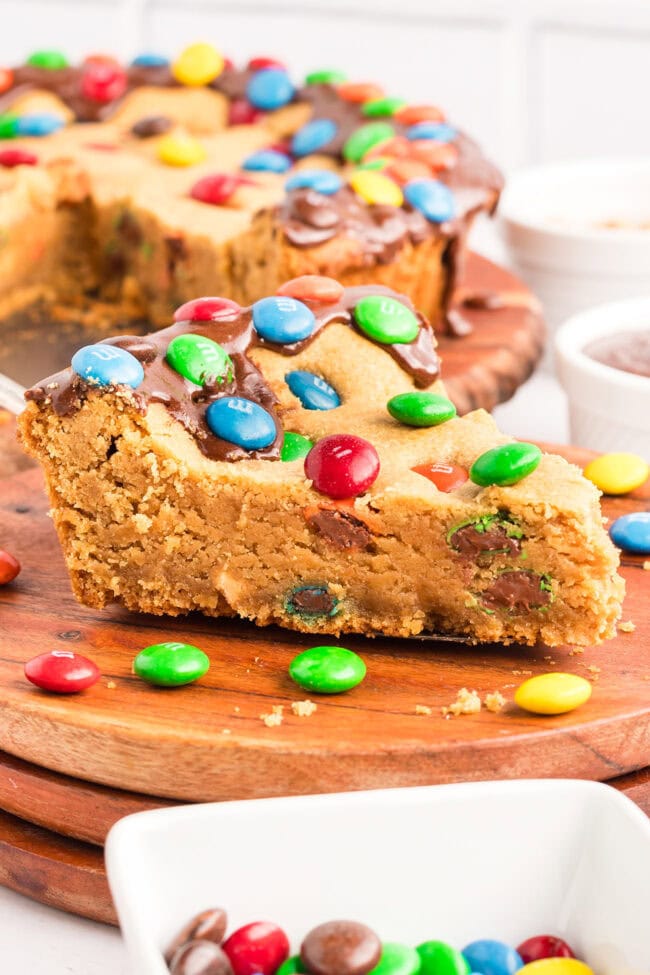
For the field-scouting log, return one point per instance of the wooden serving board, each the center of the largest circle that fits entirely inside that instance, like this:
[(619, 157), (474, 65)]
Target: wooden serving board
[(208, 741)]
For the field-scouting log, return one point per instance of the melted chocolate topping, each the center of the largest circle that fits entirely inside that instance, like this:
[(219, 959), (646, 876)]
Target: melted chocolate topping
[(65, 392), (518, 591), (627, 351)]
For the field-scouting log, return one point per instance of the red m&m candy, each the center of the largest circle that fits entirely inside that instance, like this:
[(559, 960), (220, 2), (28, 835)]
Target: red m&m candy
[(218, 188), (312, 287), (103, 81), (342, 465), (446, 477), (17, 157), (241, 112), (62, 672), (260, 947), (206, 310), (258, 64), (9, 567), (543, 946)]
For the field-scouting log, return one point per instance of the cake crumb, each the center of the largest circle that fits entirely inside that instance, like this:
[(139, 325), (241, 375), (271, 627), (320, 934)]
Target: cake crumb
[(303, 709), (111, 685), (646, 565), (236, 709), (422, 709), (594, 671), (627, 627), (274, 719), (576, 650), (467, 702), (494, 702), (225, 731), (522, 673)]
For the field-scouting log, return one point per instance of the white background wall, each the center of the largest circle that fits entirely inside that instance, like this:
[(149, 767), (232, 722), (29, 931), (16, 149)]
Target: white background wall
[(532, 79)]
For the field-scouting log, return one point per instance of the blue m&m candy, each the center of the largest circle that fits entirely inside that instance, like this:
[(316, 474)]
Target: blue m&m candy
[(267, 161), (283, 319), (492, 957), (313, 136), (432, 198), (312, 391), (107, 365), (242, 422), (439, 131), (39, 123), (148, 60), (322, 180), (269, 89), (632, 532)]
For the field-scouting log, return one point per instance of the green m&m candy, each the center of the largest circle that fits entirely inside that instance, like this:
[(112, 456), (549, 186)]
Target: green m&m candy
[(375, 164), (327, 670), (421, 409), (295, 447), (326, 76), (397, 959), (292, 966), (364, 138), (505, 465), (378, 107), (386, 320), (50, 60), (198, 358), (170, 664), (439, 958), (8, 126)]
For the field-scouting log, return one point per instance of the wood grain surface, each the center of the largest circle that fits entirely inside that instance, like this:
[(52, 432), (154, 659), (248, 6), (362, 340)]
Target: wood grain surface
[(208, 741)]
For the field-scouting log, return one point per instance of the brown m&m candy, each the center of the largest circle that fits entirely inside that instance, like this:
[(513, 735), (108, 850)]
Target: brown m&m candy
[(209, 925), (340, 948), (200, 958)]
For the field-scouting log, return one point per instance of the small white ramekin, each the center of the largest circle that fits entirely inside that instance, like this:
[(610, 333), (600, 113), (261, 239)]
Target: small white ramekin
[(552, 221), (609, 410)]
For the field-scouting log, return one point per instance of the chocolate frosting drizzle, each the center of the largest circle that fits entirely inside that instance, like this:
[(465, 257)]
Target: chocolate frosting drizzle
[(186, 402)]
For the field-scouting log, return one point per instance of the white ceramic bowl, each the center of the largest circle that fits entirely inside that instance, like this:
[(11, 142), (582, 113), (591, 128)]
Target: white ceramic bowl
[(609, 410), (458, 862), (552, 218)]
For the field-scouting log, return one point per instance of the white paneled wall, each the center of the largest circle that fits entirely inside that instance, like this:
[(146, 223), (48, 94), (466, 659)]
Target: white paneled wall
[(532, 79)]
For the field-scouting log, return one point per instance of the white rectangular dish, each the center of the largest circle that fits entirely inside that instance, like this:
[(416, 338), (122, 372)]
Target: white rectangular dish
[(503, 860)]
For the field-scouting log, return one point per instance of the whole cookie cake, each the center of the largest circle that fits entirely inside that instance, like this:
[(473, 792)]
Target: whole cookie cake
[(298, 462), (142, 186)]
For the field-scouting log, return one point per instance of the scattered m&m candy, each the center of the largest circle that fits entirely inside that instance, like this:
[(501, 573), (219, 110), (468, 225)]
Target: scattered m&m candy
[(207, 310), (340, 948), (283, 320), (439, 957), (181, 150), (553, 693), (200, 958), (50, 60), (17, 157), (446, 477), (8, 126), (326, 76), (171, 664), (242, 422), (312, 391), (241, 112), (198, 64), (544, 946), (359, 91), (421, 409), (505, 465), (397, 959), (267, 161), (364, 138), (324, 181), (9, 567), (327, 670), (632, 532), (269, 89), (107, 365), (558, 966), (217, 188), (150, 60), (258, 63), (386, 320), (199, 359), (6, 79), (313, 136), (151, 125), (432, 198), (342, 465), (439, 131), (379, 107), (492, 957), (62, 672), (295, 446), (617, 473), (412, 114), (313, 287), (257, 949), (376, 188), (103, 81), (39, 124)]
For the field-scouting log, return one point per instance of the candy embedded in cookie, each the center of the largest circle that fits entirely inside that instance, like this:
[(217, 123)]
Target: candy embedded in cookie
[(298, 462)]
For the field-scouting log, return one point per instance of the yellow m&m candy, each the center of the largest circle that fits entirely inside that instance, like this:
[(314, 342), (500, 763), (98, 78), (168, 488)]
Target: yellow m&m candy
[(553, 693), (181, 150), (374, 187), (617, 473), (198, 64), (557, 966)]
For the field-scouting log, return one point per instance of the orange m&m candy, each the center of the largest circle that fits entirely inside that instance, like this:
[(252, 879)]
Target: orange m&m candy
[(446, 477), (437, 155), (362, 91), (6, 79), (404, 170), (412, 114), (312, 287)]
